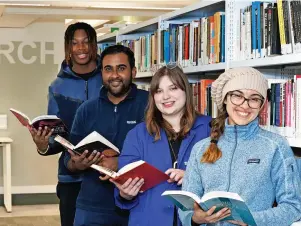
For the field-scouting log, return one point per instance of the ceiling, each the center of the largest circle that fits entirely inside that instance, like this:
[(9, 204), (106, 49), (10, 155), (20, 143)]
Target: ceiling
[(100, 14)]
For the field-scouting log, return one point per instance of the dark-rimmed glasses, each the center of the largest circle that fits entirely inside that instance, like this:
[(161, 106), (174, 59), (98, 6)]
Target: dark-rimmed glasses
[(239, 99)]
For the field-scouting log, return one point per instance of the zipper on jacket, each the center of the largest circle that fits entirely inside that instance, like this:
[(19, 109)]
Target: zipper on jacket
[(86, 90), (235, 146), (115, 108)]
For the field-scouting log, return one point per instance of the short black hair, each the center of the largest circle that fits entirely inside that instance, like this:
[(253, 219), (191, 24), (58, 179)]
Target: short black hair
[(119, 49), (69, 35)]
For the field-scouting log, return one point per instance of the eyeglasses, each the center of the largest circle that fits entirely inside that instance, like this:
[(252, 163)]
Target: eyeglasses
[(238, 100), (170, 66)]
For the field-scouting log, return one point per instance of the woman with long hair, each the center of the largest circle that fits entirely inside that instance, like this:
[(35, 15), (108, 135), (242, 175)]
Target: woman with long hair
[(243, 158), (164, 140)]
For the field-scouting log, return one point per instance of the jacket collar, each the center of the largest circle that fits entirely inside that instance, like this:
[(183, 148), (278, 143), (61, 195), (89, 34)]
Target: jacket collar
[(132, 94), (241, 132)]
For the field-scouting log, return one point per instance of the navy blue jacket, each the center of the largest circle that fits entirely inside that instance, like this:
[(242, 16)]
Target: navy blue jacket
[(113, 122), (66, 93), (150, 208)]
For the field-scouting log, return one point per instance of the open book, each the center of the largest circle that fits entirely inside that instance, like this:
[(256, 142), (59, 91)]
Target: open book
[(94, 141), (141, 169), (51, 121), (239, 210)]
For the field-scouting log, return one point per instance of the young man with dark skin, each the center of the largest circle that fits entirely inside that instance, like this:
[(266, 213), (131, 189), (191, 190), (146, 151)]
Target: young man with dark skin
[(78, 81), (117, 110)]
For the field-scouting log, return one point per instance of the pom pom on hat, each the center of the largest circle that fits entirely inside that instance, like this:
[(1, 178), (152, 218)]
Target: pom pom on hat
[(236, 79)]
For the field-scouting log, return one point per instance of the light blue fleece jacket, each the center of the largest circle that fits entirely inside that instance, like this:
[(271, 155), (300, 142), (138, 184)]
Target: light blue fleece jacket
[(258, 165)]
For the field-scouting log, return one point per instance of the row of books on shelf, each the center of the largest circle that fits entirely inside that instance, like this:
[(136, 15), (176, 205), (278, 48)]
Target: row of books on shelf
[(199, 42), (280, 114), (145, 51), (268, 29)]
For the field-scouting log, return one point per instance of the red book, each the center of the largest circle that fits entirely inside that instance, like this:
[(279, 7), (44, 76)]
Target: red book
[(141, 169)]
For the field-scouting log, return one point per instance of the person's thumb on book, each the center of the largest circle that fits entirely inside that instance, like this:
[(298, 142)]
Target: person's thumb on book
[(104, 177)]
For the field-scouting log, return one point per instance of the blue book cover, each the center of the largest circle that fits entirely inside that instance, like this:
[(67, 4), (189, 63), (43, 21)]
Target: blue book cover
[(239, 210), (166, 46), (258, 28), (172, 42), (253, 30)]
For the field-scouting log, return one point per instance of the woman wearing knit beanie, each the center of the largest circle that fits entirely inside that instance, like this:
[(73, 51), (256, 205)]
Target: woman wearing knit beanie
[(243, 158)]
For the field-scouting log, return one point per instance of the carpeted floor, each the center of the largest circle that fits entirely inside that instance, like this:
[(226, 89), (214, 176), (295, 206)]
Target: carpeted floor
[(30, 221)]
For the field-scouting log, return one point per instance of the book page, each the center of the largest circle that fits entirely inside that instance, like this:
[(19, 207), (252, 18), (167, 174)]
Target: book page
[(220, 194), (43, 117), (104, 170), (130, 166), (94, 136), (64, 142), (182, 196), (23, 119)]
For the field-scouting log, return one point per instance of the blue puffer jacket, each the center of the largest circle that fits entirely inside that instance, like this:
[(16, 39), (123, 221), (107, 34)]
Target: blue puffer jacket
[(66, 93), (258, 165)]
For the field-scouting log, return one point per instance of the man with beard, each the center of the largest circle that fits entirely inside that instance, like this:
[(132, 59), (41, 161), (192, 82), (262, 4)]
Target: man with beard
[(117, 110), (78, 80)]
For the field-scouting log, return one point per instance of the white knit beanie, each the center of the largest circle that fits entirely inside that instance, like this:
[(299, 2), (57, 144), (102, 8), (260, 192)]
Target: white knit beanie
[(236, 79)]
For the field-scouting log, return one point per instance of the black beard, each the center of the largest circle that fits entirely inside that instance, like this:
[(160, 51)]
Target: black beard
[(121, 93), (125, 89)]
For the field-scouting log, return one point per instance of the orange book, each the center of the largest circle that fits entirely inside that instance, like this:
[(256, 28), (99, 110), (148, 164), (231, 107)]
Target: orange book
[(202, 94)]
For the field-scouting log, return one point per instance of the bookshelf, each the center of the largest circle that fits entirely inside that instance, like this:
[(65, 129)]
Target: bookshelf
[(207, 8)]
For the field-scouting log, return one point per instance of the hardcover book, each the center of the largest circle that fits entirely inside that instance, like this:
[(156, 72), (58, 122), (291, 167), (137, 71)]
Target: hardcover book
[(141, 169)]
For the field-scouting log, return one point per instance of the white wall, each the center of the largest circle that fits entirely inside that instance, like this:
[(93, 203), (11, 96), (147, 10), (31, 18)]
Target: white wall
[(29, 61)]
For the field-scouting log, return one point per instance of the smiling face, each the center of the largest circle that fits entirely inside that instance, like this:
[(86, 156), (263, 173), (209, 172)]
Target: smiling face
[(81, 52), (117, 74), (239, 110), (169, 99)]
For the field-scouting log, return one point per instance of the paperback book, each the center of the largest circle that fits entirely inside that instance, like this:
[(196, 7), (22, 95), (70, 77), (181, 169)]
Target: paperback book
[(239, 210), (94, 141)]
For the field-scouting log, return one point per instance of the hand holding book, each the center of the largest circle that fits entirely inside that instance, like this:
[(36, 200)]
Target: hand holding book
[(130, 188), (139, 169), (83, 161), (41, 137), (201, 216), (175, 176)]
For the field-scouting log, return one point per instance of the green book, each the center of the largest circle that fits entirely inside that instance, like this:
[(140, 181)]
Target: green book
[(239, 210)]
